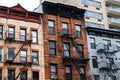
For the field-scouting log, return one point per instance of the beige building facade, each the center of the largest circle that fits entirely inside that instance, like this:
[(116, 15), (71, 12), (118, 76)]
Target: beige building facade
[(21, 44)]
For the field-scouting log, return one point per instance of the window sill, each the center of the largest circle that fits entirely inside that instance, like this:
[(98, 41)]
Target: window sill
[(51, 33), (35, 43), (52, 55), (35, 64)]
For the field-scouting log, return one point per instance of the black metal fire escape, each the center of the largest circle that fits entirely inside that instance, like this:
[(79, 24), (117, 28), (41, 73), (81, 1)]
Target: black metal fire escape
[(75, 61), (111, 67), (25, 42)]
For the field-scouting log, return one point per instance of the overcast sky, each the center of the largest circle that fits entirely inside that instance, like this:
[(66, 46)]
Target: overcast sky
[(27, 4)]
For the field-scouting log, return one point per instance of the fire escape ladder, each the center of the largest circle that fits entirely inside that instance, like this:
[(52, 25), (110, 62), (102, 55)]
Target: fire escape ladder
[(74, 43), (19, 50), (21, 71)]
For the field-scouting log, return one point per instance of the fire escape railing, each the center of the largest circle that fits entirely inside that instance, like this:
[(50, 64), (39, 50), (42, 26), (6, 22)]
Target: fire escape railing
[(75, 61), (17, 37)]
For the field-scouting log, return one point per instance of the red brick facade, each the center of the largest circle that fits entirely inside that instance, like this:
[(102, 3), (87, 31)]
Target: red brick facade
[(58, 59)]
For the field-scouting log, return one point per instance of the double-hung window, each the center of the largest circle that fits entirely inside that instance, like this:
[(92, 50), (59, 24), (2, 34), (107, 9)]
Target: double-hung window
[(78, 31), (35, 75), (35, 57), (96, 77), (68, 73), (11, 74), (81, 52), (118, 45), (11, 32), (10, 54), (1, 31), (0, 54), (22, 34), (92, 43), (51, 27), (107, 43), (65, 28), (0, 74), (34, 36), (52, 48), (66, 49), (23, 75), (23, 56), (95, 61), (82, 74), (53, 70)]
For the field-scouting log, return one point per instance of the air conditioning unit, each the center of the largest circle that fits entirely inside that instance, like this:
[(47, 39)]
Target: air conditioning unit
[(54, 77)]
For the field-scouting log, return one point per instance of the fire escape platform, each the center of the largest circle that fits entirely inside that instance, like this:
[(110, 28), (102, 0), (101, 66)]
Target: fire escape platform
[(17, 63), (78, 60)]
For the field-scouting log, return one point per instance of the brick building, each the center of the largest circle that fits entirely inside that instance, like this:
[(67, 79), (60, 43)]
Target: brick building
[(21, 44), (65, 45)]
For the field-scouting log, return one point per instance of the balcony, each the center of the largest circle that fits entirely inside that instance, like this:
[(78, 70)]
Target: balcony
[(102, 48), (114, 10), (116, 2), (114, 21), (105, 65), (9, 59), (17, 36)]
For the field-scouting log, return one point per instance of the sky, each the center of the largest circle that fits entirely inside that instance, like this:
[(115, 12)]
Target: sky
[(27, 4)]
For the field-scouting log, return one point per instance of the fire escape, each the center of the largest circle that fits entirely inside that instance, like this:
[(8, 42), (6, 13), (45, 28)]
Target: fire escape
[(107, 65), (21, 40), (75, 61)]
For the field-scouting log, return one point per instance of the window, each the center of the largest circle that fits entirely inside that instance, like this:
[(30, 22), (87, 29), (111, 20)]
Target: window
[(22, 34), (23, 56), (92, 43), (11, 32), (89, 24), (0, 54), (35, 57), (23, 75), (52, 48), (81, 53), (78, 30), (51, 26), (68, 73), (66, 49), (11, 74), (94, 14), (53, 70), (82, 74), (95, 61), (0, 74), (92, 3), (118, 45), (107, 43), (113, 77), (1, 31), (10, 54), (34, 36), (65, 28), (96, 77), (35, 76)]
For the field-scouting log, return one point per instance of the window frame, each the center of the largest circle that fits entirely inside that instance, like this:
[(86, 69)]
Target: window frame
[(23, 57), (65, 29), (1, 33), (78, 33), (25, 34), (25, 74), (9, 77), (33, 52), (36, 37), (65, 54), (53, 27), (13, 32), (92, 45), (1, 54), (52, 48), (53, 73), (94, 61), (1, 74), (34, 75), (68, 73), (11, 54)]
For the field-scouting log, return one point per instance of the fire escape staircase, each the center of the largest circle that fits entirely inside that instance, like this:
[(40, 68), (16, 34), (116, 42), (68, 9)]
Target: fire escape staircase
[(23, 63), (77, 61), (113, 66)]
